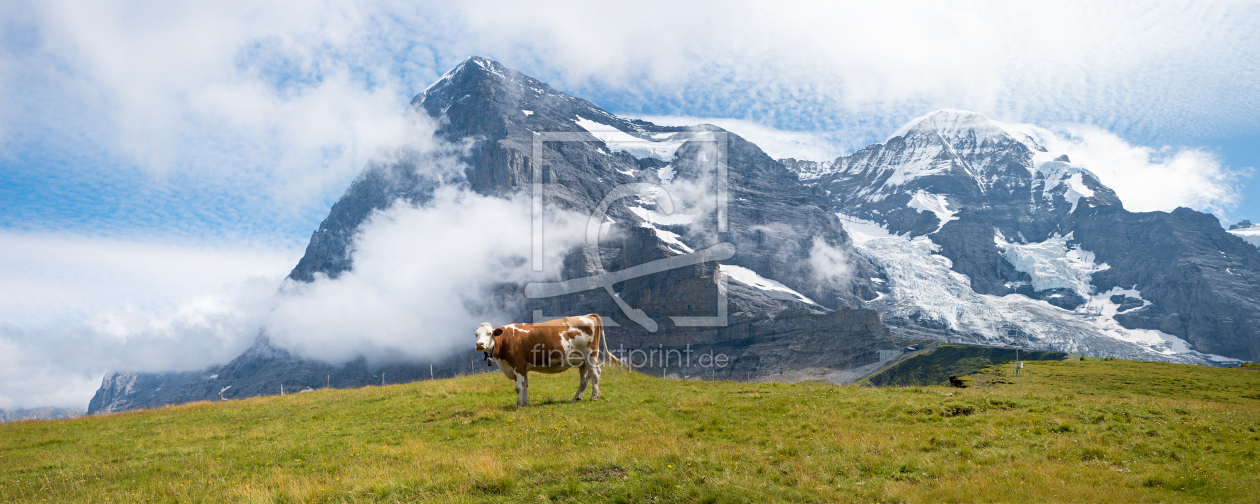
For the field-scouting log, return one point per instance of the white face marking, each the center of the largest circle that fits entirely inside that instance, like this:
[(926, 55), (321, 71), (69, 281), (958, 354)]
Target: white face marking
[(485, 337)]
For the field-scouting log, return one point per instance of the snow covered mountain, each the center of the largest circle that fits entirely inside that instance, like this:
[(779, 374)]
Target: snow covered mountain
[(985, 236)]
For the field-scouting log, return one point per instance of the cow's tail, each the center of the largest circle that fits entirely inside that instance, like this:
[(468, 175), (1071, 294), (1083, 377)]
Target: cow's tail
[(604, 340)]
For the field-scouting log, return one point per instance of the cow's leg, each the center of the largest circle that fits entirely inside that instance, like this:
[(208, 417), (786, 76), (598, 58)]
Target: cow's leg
[(594, 380), (522, 389), (585, 372)]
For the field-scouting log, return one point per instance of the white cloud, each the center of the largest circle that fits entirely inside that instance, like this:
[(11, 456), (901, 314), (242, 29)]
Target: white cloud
[(291, 99), (59, 278), (1148, 178), (283, 99), (423, 279), (831, 266), (76, 307)]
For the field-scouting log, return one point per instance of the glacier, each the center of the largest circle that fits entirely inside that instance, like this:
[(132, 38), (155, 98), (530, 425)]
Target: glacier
[(925, 292)]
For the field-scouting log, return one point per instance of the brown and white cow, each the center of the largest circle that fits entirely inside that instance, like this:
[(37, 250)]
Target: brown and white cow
[(547, 347)]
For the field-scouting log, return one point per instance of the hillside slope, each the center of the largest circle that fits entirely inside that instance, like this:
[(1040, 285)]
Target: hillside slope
[(1113, 431)]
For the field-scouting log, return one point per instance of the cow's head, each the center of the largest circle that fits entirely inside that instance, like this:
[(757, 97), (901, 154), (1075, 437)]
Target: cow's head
[(485, 337)]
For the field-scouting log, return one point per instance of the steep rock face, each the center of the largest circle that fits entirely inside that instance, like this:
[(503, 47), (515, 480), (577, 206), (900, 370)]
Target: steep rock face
[(775, 223), (968, 243), (772, 217), (379, 186), (1203, 283)]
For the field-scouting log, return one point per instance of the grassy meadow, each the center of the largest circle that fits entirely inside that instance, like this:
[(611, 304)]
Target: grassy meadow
[(1066, 431)]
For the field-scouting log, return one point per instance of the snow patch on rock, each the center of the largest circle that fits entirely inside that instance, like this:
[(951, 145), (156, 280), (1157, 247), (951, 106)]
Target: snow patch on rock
[(620, 141), (862, 230), (671, 239), (666, 174), (1101, 303), (935, 203), (771, 288), (1057, 173), (654, 217)]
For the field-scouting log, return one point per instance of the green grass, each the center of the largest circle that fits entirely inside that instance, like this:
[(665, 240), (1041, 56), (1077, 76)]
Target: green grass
[(1094, 431)]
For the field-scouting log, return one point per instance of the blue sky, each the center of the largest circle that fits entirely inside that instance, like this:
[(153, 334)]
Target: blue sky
[(201, 144)]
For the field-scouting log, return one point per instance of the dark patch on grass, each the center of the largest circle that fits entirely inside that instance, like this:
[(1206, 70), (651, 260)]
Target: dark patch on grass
[(496, 486), (953, 410), (1092, 453), (604, 474), (937, 443)]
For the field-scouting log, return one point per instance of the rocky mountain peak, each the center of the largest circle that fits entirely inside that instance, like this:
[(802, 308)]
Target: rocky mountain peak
[(472, 71), (950, 161)]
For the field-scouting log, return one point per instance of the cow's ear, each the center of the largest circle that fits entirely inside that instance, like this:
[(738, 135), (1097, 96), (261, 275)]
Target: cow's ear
[(498, 331)]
